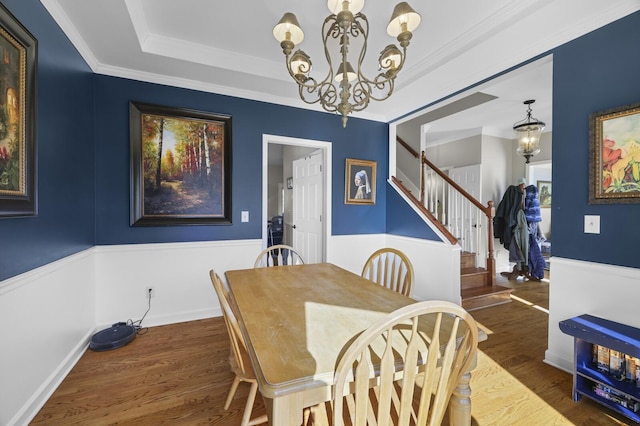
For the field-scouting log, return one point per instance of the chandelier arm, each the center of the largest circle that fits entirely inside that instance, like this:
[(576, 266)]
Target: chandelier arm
[(381, 85), (332, 31), (402, 58), (365, 31), (361, 95), (309, 85), (328, 97)]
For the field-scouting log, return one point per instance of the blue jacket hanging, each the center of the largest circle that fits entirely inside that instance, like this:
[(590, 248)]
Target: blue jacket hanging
[(532, 204)]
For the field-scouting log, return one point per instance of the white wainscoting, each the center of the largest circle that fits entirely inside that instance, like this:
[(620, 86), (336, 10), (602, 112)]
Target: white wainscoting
[(49, 314), (578, 287), (178, 273), (436, 264), (47, 317), (352, 251)]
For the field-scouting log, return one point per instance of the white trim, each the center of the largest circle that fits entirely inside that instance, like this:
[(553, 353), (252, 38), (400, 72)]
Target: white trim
[(437, 231), (34, 275), (40, 397), (326, 148)]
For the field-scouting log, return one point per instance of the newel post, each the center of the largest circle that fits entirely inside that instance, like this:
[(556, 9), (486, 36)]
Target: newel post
[(491, 260)]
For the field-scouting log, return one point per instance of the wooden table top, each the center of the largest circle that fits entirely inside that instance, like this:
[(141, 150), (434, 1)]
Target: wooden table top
[(298, 319)]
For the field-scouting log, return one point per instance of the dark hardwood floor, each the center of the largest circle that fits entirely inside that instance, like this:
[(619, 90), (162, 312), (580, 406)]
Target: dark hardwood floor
[(179, 375)]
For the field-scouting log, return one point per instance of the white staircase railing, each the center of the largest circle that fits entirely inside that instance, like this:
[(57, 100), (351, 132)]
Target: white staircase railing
[(464, 217)]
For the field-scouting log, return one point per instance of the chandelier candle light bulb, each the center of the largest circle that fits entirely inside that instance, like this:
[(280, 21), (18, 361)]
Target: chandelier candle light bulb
[(335, 93)]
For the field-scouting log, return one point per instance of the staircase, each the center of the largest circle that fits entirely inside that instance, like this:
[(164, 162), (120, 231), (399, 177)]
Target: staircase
[(463, 220), (476, 287)]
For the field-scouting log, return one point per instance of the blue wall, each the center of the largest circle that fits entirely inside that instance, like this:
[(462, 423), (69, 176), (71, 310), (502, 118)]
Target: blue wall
[(83, 157), (83, 154), (591, 74), (65, 153), (361, 139), (403, 220)]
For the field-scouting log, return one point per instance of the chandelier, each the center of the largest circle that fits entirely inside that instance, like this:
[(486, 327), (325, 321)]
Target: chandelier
[(345, 89), (528, 132)]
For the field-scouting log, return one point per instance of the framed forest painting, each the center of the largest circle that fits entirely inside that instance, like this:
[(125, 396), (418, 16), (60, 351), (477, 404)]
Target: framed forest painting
[(180, 166)]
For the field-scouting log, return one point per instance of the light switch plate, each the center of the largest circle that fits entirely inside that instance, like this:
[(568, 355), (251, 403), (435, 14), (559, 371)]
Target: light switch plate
[(591, 224), (245, 216)]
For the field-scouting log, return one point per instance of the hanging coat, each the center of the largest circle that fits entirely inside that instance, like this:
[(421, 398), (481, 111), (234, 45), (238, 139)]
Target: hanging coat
[(536, 261), (532, 204), (519, 246), (507, 215)]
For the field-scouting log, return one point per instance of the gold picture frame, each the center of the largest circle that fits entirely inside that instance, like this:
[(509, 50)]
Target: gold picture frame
[(614, 155), (18, 174), (360, 182)]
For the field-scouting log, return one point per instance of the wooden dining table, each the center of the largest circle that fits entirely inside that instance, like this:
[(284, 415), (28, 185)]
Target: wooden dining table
[(297, 320)]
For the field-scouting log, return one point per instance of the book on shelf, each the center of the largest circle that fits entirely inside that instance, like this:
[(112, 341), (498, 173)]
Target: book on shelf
[(617, 397), (603, 359), (616, 364)]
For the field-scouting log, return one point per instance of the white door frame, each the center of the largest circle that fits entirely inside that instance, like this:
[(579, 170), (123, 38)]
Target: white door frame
[(326, 150)]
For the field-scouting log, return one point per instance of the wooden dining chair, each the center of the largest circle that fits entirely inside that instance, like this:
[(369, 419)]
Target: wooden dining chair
[(278, 255), (401, 369), (238, 357), (391, 269)]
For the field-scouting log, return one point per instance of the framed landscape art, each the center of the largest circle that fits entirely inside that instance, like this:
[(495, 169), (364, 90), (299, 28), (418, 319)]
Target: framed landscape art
[(18, 186), (614, 156), (180, 166)]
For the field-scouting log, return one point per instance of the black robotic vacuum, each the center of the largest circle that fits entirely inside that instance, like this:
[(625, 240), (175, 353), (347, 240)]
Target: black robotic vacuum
[(114, 337)]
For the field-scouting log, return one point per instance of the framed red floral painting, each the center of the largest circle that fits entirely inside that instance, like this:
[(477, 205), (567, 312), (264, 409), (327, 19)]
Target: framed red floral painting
[(614, 156)]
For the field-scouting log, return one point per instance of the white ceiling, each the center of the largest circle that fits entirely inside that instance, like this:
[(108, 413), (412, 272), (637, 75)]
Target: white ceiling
[(228, 47)]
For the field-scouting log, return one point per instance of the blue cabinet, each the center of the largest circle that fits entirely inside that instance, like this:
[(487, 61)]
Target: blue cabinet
[(620, 392)]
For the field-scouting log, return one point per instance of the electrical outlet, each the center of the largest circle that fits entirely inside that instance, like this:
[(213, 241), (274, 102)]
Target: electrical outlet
[(150, 292)]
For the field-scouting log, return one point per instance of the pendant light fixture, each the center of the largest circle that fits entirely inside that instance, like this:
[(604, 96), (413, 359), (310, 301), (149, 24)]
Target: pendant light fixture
[(528, 132)]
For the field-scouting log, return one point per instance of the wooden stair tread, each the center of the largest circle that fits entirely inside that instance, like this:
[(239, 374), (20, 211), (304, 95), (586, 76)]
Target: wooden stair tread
[(472, 271), (476, 290), (482, 291), (472, 277), (483, 297)]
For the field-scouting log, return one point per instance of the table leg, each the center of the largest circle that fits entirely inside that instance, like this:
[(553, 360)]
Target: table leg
[(285, 410), (460, 403)]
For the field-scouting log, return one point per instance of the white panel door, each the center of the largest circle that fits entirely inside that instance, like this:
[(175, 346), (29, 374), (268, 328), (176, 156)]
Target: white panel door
[(307, 207)]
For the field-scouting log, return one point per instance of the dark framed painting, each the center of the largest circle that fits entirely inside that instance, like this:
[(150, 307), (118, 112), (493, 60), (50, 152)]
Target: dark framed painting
[(18, 52), (614, 155), (544, 193), (180, 166), (360, 182)]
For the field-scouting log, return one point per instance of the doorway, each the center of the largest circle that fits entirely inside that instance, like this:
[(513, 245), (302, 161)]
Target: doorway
[(539, 174), (278, 194)]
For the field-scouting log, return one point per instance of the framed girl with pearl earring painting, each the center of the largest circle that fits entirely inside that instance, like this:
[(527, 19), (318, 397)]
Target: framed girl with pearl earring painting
[(360, 182)]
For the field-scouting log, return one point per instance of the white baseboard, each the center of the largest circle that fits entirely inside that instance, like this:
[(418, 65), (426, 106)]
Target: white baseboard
[(558, 362), (48, 318), (48, 387)]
